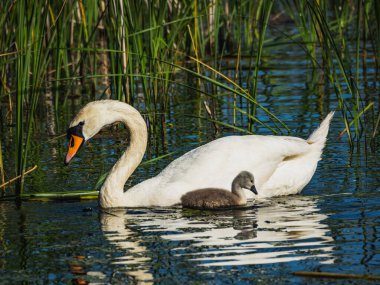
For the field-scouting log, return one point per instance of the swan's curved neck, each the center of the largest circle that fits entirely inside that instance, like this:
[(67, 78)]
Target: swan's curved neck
[(112, 192), (239, 191)]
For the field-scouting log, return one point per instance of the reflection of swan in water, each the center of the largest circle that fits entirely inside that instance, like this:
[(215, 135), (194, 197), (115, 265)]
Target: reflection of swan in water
[(284, 230), (117, 232)]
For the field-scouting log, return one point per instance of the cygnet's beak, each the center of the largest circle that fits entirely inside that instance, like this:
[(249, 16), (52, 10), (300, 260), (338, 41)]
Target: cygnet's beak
[(253, 189)]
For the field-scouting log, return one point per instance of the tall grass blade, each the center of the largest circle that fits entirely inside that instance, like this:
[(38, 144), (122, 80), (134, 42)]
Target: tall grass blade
[(266, 8)]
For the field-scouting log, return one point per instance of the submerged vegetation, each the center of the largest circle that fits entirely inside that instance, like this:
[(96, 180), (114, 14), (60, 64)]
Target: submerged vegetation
[(136, 51)]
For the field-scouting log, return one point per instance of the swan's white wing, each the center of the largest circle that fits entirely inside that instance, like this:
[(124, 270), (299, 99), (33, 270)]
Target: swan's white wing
[(293, 173), (218, 162)]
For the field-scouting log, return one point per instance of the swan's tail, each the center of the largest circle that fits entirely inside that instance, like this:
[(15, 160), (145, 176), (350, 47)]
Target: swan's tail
[(318, 137)]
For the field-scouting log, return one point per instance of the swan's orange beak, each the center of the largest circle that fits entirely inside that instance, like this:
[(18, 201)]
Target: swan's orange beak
[(75, 143)]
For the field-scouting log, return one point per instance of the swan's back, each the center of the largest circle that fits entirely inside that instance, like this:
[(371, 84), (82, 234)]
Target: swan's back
[(282, 165), (210, 198), (261, 155)]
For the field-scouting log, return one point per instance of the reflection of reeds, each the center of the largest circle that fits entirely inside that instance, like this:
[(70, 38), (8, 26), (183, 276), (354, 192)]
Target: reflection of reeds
[(135, 49)]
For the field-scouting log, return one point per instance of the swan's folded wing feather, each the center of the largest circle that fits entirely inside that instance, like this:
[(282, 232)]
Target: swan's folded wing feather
[(294, 172), (218, 162), (287, 146)]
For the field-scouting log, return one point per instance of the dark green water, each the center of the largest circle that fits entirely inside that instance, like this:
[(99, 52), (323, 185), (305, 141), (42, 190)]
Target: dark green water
[(332, 226)]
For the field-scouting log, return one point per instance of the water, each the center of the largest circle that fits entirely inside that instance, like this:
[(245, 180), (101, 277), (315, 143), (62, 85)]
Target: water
[(333, 226)]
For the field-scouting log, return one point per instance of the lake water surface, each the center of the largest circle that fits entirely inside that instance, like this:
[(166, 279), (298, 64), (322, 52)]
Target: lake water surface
[(333, 226)]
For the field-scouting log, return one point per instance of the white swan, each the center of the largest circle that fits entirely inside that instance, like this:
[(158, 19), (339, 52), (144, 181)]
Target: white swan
[(281, 165)]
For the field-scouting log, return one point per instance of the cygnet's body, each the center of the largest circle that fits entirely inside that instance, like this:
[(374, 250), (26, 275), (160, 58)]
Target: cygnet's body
[(212, 198)]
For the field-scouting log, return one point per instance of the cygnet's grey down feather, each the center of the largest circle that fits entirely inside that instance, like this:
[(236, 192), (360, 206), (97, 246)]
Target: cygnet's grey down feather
[(212, 198)]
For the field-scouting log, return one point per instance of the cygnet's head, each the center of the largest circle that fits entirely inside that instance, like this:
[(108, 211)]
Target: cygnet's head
[(246, 180)]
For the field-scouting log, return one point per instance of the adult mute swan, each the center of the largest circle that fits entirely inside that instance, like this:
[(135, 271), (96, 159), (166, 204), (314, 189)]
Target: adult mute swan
[(213, 198), (281, 165)]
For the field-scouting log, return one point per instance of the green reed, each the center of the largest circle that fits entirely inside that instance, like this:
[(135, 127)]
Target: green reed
[(263, 23), (134, 51), (327, 27)]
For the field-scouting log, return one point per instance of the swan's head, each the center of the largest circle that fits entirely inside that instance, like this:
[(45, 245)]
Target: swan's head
[(246, 180), (88, 122)]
